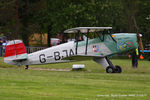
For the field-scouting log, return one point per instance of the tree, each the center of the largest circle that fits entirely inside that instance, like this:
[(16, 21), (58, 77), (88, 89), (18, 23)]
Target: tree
[(18, 18), (143, 19), (130, 8), (21, 18), (28, 11), (7, 18)]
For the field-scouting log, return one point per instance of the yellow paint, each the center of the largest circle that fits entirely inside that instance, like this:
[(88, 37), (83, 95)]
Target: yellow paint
[(113, 35), (137, 52)]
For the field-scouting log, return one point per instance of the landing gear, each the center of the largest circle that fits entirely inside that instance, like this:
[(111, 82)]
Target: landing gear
[(118, 69), (111, 69)]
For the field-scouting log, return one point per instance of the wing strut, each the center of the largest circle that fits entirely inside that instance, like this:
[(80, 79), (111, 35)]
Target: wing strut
[(111, 36), (87, 42), (77, 37)]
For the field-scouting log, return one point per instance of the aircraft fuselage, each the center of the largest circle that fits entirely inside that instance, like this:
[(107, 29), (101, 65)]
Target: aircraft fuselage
[(97, 47)]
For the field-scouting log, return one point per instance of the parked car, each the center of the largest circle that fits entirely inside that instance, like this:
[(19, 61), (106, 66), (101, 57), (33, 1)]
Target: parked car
[(55, 41)]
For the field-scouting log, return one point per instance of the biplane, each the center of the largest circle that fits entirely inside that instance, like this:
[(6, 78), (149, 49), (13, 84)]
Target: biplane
[(104, 44)]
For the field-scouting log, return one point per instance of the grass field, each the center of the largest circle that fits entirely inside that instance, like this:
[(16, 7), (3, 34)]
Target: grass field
[(41, 83)]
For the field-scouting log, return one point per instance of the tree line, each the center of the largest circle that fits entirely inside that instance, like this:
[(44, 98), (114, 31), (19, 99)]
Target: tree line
[(21, 18)]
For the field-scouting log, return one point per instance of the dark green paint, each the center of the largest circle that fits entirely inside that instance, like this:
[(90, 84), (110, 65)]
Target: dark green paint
[(124, 42)]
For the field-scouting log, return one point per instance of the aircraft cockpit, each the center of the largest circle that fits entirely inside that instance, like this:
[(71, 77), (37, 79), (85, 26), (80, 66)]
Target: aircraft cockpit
[(82, 34)]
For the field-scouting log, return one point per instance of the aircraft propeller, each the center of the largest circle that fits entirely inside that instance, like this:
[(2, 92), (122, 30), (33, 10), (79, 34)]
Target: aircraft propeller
[(140, 42)]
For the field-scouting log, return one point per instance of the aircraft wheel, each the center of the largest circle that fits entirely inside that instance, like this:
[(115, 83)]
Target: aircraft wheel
[(110, 69), (118, 69)]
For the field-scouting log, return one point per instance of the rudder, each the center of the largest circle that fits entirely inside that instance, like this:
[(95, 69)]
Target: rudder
[(15, 51)]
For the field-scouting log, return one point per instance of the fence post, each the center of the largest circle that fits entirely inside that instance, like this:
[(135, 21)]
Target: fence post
[(1, 51)]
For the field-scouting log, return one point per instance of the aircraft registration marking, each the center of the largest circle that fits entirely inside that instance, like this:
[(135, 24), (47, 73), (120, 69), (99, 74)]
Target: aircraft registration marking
[(49, 56), (57, 55)]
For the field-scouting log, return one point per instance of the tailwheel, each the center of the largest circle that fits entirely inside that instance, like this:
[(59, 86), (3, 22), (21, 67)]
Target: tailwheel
[(110, 69), (118, 69), (27, 67)]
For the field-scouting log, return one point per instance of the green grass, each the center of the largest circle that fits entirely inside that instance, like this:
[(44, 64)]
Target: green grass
[(91, 84)]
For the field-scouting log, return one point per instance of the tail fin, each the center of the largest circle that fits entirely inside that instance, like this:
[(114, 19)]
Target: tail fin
[(15, 51)]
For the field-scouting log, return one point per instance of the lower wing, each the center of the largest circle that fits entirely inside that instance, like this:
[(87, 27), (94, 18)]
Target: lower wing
[(81, 57)]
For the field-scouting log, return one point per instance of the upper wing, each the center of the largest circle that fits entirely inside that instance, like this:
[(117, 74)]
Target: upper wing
[(86, 29)]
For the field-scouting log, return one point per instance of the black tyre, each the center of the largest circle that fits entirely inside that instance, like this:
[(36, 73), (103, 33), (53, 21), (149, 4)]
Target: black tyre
[(110, 69), (118, 69)]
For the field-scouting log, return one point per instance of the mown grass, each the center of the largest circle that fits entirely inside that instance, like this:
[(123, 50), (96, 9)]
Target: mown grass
[(90, 84)]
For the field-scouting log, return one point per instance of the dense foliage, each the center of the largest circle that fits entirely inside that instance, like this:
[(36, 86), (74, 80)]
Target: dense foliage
[(22, 18)]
